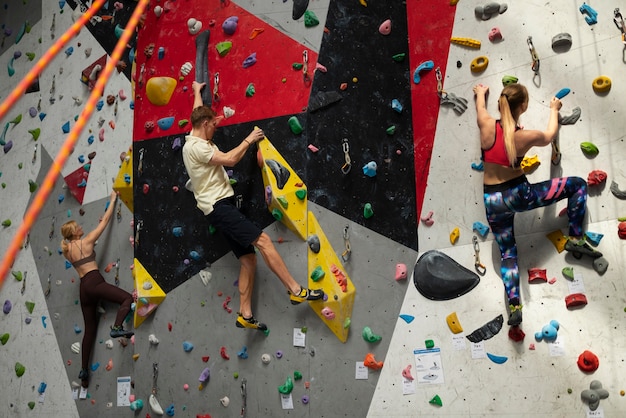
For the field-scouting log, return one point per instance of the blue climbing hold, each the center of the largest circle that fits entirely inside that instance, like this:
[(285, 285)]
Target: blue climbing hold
[(83, 183), (66, 127), (61, 198), (407, 318), (396, 105), (187, 346), (95, 366), (497, 359), (562, 93), (195, 255), (177, 231), (424, 66), (481, 228), (90, 139), (77, 329), (369, 169), (99, 104), (243, 354), (42, 115), (81, 159), (69, 51), (68, 265), (593, 237), (478, 167), (166, 123)]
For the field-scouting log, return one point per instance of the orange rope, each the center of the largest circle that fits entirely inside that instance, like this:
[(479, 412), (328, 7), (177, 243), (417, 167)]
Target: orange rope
[(46, 188)]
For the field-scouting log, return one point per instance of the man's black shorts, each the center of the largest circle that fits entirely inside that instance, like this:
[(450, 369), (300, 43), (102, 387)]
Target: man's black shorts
[(239, 231)]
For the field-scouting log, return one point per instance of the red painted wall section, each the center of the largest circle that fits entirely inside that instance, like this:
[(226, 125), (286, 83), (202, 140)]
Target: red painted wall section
[(430, 28), (280, 90)]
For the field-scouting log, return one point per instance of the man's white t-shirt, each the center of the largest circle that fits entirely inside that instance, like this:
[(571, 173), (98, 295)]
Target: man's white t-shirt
[(210, 182)]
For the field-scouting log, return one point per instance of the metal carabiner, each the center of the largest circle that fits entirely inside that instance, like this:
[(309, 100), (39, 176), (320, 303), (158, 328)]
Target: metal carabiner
[(305, 68), (478, 266), (345, 169), (619, 22), (439, 78), (533, 55), (140, 165), (346, 239), (216, 84)]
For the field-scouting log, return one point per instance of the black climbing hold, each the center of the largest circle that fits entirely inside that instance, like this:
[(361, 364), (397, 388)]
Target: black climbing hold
[(202, 65), (280, 172), (299, 7), (314, 243), (438, 277), (323, 99), (487, 331)]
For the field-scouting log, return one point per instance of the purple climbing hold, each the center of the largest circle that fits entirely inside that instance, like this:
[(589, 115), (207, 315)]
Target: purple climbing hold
[(7, 147), (230, 25), (205, 375), (17, 54), (32, 112), (177, 144), (250, 61), (7, 306)]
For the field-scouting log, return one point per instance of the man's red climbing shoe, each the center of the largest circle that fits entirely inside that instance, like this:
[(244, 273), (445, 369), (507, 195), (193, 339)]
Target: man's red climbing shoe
[(118, 331), (306, 294), (580, 247), (84, 378), (250, 323)]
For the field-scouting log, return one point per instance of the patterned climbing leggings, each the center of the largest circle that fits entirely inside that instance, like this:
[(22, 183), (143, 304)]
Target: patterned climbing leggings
[(93, 287), (502, 201)]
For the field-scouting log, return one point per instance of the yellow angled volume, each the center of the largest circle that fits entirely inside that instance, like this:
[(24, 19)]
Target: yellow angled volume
[(453, 323), (469, 42)]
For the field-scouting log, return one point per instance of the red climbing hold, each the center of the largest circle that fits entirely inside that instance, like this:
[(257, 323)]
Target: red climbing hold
[(225, 305), (588, 362), (223, 353), (169, 326), (575, 299), (537, 275), (516, 334), (205, 358)]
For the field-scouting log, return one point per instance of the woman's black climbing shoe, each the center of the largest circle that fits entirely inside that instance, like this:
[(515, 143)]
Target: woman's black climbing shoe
[(582, 247)]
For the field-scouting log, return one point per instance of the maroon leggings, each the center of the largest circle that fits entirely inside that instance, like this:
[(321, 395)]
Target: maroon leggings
[(93, 288)]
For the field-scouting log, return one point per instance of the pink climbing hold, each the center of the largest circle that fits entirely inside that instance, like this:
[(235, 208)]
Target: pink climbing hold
[(400, 271), (101, 135), (385, 27), (225, 305), (146, 188), (313, 148), (406, 373), (428, 219), (320, 67), (328, 313), (495, 35)]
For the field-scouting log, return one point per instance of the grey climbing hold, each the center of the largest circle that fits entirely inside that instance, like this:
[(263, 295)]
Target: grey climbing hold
[(620, 194), (594, 394), (280, 172), (561, 42), (600, 265), (459, 104), (571, 119), (314, 243)]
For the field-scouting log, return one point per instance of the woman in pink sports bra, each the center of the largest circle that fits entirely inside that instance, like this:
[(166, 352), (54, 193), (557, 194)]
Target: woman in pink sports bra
[(78, 249), (507, 190)]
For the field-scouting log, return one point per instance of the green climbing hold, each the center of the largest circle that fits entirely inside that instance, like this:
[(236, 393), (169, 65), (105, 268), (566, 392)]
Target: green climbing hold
[(399, 57), (277, 214), (17, 119), (31, 405), (297, 375), (233, 182), (301, 194), (317, 274), (250, 90), (283, 202), (297, 66), (6, 222), (369, 336), (212, 229), (35, 133), (568, 272), (223, 48), (287, 387), (589, 148), (294, 125), (508, 79), (30, 306), (429, 344), (20, 165), (304, 329), (17, 275), (87, 167), (391, 130), (347, 323), (118, 31), (368, 212), (4, 338), (182, 123), (436, 400), (30, 55), (310, 19), (19, 369), (4, 186), (32, 186)]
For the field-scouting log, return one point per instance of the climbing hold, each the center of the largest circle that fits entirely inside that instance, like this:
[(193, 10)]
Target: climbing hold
[(204, 377), (310, 19), (385, 27), (109, 365), (66, 127), (266, 358), (287, 387), (187, 346), (596, 177), (4, 338), (469, 42), (454, 235), (436, 400), (396, 106), (317, 274), (497, 359), (406, 373), (620, 194), (495, 34), (223, 353), (537, 275), (7, 147), (35, 133), (371, 363), (481, 228), (428, 219), (601, 84), (6, 308), (589, 149), (588, 362), (16, 119), (194, 26), (594, 394), (301, 194), (243, 353), (158, 10), (487, 11), (159, 90), (509, 79), (223, 48), (562, 93), (250, 60), (161, 53), (369, 169), (19, 369), (328, 313), (250, 90), (314, 243), (225, 401), (368, 212), (561, 42), (401, 273), (230, 25), (593, 237), (294, 124), (479, 64), (424, 66), (165, 123), (487, 331), (548, 332), (369, 336), (31, 305), (591, 16), (277, 214), (453, 323), (299, 7), (136, 405), (568, 272)]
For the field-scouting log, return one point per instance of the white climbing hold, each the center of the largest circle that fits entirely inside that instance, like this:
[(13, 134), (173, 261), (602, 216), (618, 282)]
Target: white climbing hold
[(194, 26), (109, 344), (265, 358), (147, 285), (154, 405), (76, 347), (153, 339), (158, 10), (225, 401), (185, 69), (228, 112), (205, 276)]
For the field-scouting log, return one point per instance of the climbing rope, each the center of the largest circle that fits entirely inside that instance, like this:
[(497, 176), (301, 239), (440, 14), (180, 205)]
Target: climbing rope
[(49, 181)]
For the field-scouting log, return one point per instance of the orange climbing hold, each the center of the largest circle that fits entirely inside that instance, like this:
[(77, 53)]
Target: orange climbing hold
[(256, 32), (371, 363), (340, 277)]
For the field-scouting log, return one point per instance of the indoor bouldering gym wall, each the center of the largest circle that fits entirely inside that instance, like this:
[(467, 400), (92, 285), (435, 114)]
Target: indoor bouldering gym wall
[(372, 148)]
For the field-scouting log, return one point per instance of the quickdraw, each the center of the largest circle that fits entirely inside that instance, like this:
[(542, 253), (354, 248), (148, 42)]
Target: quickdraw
[(619, 22), (216, 83), (439, 78), (244, 395), (346, 239), (533, 55), (117, 273), (305, 68), (345, 169), (478, 266), (140, 165), (139, 228), (51, 235)]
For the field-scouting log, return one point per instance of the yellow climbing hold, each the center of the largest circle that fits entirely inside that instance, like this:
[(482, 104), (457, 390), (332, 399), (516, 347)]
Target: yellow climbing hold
[(601, 84), (528, 164), (454, 235), (479, 64), (453, 323), (558, 239), (469, 42), (160, 89)]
